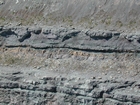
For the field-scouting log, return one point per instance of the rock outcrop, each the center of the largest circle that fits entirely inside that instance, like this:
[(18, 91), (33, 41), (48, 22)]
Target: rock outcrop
[(61, 37), (69, 52), (108, 62), (20, 88)]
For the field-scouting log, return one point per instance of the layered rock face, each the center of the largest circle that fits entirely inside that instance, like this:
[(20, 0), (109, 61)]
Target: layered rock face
[(69, 52), (61, 37), (63, 66), (66, 91)]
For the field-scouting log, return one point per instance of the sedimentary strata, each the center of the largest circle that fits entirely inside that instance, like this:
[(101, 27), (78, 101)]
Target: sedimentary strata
[(87, 67), (61, 37), (69, 52), (22, 88)]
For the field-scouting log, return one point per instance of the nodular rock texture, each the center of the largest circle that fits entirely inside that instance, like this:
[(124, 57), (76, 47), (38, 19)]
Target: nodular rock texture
[(62, 37)]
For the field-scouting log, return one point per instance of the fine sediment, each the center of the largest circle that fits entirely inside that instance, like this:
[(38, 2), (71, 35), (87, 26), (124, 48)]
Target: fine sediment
[(108, 14)]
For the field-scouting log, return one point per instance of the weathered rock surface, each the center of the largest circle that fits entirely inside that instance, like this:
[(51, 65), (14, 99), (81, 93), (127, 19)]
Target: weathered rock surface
[(25, 88), (61, 37), (45, 60), (108, 61)]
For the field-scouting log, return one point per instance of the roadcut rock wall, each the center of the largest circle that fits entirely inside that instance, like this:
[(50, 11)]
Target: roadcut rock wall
[(67, 66), (69, 52)]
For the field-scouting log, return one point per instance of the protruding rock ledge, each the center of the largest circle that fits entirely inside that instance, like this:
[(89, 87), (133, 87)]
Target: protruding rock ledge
[(52, 37), (75, 91)]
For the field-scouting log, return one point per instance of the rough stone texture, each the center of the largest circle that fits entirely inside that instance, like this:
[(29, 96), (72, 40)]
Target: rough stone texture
[(61, 37), (68, 77), (69, 52), (31, 90), (108, 57)]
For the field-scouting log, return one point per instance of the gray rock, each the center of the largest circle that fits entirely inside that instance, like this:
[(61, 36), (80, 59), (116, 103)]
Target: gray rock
[(98, 35), (68, 91), (100, 41), (70, 34), (6, 32), (24, 35), (35, 30), (2, 2)]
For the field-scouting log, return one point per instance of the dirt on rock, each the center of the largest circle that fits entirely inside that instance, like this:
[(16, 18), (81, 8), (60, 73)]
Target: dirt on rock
[(120, 15)]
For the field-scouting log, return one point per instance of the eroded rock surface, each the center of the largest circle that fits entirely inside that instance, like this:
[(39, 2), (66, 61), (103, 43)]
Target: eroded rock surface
[(30, 87), (69, 52), (61, 37), (96, 67)]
